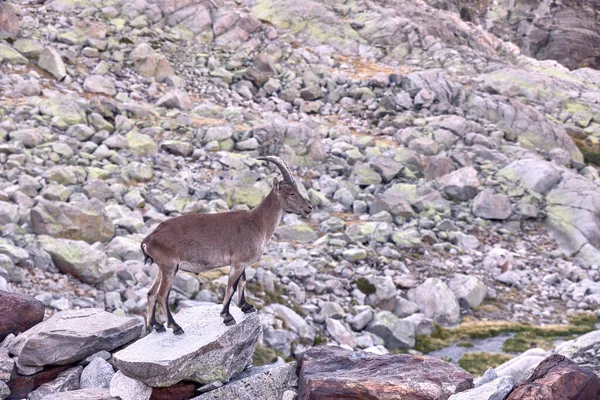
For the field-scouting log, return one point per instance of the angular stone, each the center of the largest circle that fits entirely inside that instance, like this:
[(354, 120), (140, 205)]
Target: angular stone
[(123, 387), (328, 372), (178, 99), (460, 185), (97, 374), (77, 258), (578, 347), (7, 365), (297, 232), (437, 167), (296, 322), (65, 381), (557, 378), (9, 21), (258, 383), (100, 84), (385, 292), (387, 168), (469, 290), (397, 333), (151, 64), (491, 206), (10, 55), (340, 333), (177, 147), (72, 335), (208, 351), (52, 62), (497, 389), (84, 220), (436, 301), (29, 137), (19, 313)]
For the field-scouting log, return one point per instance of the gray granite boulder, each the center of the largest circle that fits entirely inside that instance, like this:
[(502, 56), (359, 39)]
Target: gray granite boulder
[(72, 335), (436, 301), (208, 351), (260, 383)]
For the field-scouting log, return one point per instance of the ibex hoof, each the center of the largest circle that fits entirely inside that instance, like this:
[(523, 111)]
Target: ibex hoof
[(228, 320), (158, 327), (248, 308), (177, 330)]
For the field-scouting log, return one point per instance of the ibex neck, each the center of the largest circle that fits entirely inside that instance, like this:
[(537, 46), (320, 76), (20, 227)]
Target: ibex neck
[(268, 214)]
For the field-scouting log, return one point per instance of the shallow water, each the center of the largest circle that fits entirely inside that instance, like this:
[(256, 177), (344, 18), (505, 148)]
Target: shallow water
[(487, 345)]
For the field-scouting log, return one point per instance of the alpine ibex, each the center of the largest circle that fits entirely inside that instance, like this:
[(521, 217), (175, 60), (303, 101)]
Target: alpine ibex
[(201, 242)]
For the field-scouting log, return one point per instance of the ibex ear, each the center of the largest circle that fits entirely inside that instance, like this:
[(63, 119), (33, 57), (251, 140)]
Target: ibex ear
[(276, 184)]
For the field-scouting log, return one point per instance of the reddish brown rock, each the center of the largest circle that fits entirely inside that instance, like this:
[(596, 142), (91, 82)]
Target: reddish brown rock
[(179, 391), (9, 21), (332, 373), (21, 385), (558, 378), (19, 313)]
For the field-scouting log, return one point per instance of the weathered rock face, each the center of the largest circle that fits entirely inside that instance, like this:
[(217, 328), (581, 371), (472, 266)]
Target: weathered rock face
[(78, 221), (469, 290), (397, 333), (556, 378), (330, 373), (19, 313), (566, 31), (262, 383), (209, 351), (460, 185), (82, 394), (73, 335)]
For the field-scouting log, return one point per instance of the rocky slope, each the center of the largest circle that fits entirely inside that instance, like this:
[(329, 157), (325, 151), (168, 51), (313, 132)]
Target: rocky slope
[(565, 31), (446, 169)]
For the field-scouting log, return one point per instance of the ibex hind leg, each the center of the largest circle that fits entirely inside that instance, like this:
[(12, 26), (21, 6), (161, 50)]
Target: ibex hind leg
[(163, 299), (241, 289), (151, 322), (234, 277)]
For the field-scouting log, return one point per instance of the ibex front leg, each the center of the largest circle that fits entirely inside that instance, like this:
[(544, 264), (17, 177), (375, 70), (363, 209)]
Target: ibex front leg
[(234, 276), (241, 289)]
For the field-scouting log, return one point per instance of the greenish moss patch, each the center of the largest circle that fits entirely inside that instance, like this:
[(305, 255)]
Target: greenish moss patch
[(478, 363), (365, 286)]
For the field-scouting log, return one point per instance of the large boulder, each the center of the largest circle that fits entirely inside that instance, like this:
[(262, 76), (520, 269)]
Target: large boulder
[(328, 372), (72, 335), (497, 389), (520, 366), (209, 350), (491, 206), (64, 382), (19, 313), (558, 378), (469, 290), (436, 301), (83, 220), (9, 21), (78, 258), (460, 185), (151, 64), (51, 61), (259, 383), (397, 333)]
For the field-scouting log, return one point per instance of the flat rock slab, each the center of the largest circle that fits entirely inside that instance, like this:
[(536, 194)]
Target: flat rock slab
[(72, 335), (19, 313), (332, 373), (558, 378), (208, 351), (82, 394)]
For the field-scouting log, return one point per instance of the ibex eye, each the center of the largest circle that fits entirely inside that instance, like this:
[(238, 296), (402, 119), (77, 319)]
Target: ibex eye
[(292, 194)]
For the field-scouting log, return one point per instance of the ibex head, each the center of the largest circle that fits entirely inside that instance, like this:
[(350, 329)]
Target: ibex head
[(287, 190)]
